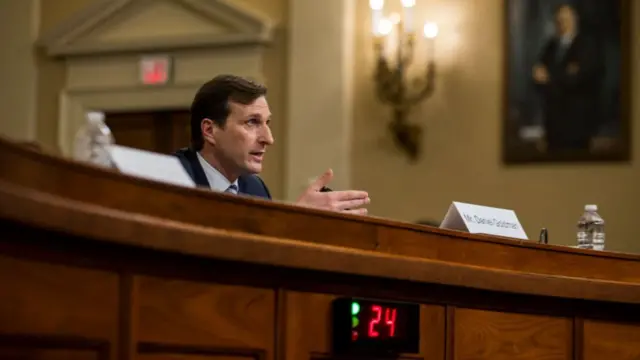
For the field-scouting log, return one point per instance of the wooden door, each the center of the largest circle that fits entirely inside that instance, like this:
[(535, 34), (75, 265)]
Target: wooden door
[(162, 131)]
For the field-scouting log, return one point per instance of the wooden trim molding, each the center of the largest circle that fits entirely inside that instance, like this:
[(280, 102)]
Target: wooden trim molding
[(169, 271), (102, 348), (32, 162), (96, 222), (181, 349), (247, 27)]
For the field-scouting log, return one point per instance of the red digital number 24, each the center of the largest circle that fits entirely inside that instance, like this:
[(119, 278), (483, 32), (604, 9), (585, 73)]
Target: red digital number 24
[(389, 320)]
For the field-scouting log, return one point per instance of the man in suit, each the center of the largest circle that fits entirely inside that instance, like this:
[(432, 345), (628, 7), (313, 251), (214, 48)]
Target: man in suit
[(230, 134), (569, 77)]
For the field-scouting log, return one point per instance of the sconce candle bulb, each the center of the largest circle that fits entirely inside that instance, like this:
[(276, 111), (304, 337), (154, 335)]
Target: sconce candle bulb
[(395, 18), (430, 33), (430, 30), (408, 16), (384, 27), (392, 85), (376, 4), (376, 13)]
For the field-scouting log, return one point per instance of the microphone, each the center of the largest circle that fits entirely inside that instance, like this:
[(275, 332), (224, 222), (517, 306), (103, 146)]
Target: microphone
[(544, 236)]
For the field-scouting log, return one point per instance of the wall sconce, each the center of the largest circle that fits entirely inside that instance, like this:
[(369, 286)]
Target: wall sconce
[(392, 85)]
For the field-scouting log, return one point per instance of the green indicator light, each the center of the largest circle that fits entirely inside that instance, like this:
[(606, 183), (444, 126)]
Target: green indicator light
[(355, 308), (354, 322)]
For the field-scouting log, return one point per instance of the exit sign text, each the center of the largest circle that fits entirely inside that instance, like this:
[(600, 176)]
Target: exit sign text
[(155, 70)]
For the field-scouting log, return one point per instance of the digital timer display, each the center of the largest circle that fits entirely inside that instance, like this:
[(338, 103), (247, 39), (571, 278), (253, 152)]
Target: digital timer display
[(370, 326)]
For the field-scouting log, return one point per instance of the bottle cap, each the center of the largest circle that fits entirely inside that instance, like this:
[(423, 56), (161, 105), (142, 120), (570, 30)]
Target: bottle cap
[(95, 116), (591, 207)]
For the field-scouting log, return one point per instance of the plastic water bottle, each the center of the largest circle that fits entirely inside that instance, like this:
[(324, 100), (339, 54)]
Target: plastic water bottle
[(92, 141), (591, 229)]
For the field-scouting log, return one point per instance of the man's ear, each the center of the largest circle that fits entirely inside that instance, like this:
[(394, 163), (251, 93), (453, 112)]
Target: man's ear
[(209, 130)]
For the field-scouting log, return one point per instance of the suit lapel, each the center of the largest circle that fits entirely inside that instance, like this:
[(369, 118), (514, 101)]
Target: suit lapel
[(196, 169), (247, 184), (242, 185)]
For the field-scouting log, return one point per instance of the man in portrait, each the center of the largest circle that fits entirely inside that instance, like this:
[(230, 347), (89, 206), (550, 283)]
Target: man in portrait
[(568, 76)]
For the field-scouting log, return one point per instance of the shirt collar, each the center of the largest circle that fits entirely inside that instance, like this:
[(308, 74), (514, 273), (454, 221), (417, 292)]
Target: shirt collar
[(567, 39), (217, 181)]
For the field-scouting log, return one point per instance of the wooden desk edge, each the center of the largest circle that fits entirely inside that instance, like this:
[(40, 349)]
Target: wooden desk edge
[(11, 149), (91, 221)]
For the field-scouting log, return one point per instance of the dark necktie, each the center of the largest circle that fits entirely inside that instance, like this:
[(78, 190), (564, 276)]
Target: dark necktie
[(561, 51), (232, 189)]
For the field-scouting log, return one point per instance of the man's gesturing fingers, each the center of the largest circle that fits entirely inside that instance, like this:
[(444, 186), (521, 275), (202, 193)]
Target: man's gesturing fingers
[(350, 204), (347, 195), (361, 211)]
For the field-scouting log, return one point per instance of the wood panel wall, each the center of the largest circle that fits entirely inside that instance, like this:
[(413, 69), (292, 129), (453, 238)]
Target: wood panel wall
[(51, 311)]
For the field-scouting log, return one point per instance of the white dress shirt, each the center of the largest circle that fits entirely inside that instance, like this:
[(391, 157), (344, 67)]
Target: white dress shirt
[(564, 43), (217, 181)]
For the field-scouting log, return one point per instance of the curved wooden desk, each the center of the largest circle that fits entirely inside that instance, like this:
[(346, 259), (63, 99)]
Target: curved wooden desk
[(94, 264)]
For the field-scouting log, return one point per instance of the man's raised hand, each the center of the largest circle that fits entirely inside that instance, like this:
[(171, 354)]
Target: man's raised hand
[(349, 201)]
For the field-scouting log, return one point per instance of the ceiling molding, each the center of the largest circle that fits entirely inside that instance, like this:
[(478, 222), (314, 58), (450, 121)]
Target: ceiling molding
[(221, 24)]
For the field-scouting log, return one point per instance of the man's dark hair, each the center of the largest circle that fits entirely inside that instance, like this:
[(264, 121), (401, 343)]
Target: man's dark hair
[(212, 102)]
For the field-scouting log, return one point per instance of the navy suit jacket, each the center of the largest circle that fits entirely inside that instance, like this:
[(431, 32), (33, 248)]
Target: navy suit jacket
[(248, 184)]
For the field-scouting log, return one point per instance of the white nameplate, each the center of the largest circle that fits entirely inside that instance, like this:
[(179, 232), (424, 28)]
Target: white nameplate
[(477, 219), (150, 165)]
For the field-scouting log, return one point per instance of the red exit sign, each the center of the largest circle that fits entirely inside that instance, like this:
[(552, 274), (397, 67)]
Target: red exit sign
[(155, 70)]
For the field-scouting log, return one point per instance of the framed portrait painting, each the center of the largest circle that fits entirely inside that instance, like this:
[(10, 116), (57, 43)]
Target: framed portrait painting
[(567, 81)]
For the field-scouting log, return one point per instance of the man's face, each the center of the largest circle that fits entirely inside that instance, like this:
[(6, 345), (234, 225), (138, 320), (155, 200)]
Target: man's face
[(565, 21), (241, 144)]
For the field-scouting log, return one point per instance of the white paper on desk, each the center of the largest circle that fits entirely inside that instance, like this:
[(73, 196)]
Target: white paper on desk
[(478, 219), (150, 165)]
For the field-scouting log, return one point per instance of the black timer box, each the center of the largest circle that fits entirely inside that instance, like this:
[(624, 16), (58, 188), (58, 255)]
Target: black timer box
[(372, 327)]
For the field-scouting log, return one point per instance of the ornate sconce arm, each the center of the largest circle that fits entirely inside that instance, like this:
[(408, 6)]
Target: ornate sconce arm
[(383, 74), (392, 85), (427, 88), (407, 50), (388, 82)]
